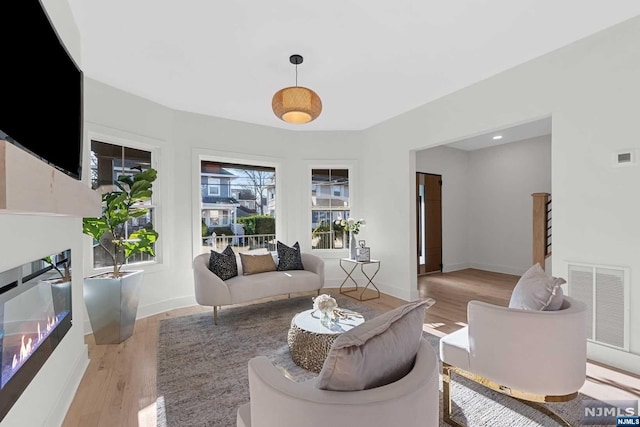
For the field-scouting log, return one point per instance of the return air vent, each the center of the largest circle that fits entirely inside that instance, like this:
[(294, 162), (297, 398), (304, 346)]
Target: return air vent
[(605, 291), (624, 158)]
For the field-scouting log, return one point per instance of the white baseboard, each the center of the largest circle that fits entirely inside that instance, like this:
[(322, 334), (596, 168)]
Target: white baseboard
[(155, 308), (617, 358), (187, 301), (394, 291), (448, 268), (499, 268), (332, 283), (162, 306), (401, 293), (59, 411)]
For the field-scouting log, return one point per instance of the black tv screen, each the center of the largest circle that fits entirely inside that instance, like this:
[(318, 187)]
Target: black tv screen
[(40, 87)]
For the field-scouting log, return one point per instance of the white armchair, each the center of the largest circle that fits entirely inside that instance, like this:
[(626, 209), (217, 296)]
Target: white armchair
[(278, 401), (533, 356)]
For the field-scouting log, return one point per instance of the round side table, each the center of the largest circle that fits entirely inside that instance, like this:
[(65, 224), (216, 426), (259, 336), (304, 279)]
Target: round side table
[(310, 341)]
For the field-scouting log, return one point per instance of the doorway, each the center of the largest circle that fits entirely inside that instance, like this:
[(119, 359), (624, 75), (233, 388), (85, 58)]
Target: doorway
[(429, 222)]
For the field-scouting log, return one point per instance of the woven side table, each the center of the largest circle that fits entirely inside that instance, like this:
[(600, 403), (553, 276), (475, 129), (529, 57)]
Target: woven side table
[(310, 341)]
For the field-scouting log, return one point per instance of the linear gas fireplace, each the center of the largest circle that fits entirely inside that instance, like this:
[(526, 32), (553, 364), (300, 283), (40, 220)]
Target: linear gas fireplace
[(35, 314)]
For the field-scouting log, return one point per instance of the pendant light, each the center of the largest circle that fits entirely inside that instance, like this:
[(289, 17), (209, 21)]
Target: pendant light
[(296, 104)]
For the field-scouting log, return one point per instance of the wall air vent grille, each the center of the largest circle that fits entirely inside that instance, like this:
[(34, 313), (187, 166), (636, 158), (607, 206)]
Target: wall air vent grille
[(605, 292), (624, 158), (581, 288)]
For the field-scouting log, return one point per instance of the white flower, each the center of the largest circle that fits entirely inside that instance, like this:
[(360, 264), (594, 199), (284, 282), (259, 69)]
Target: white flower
[(350, 224), (325, 303)]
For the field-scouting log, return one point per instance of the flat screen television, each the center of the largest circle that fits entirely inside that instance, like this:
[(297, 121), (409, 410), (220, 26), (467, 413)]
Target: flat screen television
[(40, 88)]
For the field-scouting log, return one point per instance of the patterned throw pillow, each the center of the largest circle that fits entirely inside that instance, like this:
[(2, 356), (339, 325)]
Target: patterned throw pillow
[(289, 257), (224, 264)]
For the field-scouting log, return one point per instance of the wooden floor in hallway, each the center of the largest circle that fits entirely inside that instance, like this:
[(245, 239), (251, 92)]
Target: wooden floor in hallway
[(119, 386), (452, 291)]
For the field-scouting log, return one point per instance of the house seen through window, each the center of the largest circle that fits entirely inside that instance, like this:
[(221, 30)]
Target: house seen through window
[(108, 162), (238, 206), (329, 202)]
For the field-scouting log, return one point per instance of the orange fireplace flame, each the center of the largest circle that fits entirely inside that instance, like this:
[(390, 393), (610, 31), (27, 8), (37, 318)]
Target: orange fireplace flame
[(26, 348)]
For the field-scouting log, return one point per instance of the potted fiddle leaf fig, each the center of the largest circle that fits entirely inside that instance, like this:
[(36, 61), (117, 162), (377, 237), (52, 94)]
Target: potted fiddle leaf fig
[(112, 298), (65, 273), (61, 285)]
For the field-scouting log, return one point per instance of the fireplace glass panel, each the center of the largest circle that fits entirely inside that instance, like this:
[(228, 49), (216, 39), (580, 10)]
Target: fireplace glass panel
[(35, 313)]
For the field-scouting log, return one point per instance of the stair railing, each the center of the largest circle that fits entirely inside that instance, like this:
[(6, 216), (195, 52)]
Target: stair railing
[(541, 227)]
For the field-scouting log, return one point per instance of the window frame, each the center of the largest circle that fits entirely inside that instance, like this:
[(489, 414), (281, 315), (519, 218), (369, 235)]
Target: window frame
[(351, 167), (199, 155), (158, 262)]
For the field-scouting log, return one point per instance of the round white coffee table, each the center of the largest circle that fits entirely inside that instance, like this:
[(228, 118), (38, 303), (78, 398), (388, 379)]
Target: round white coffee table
[(310, 341)]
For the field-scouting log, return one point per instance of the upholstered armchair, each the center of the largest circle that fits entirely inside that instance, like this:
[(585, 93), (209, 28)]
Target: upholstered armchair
[(278, 401), (533, 356)]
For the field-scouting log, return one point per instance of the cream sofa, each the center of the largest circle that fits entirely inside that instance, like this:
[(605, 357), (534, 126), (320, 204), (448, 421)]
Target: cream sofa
[(215, 292)]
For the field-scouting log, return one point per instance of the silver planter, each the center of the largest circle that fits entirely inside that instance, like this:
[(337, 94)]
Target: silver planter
[(112, 305)]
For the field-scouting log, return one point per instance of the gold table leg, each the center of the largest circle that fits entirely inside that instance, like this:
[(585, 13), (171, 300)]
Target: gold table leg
[(369, 281), (446, 396)]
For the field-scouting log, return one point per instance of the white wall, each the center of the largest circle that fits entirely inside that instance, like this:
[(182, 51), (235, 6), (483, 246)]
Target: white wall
[(453, 165), (179, 139), (30, 237), (486, 202), (590, 89), (117, 117), (501, 181)]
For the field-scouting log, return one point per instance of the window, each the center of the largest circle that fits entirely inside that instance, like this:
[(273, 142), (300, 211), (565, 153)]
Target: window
[(213, 186), (108, 162), (238, 205), (329, 202)]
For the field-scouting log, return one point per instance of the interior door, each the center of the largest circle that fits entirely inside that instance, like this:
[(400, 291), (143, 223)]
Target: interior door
[(429, 222)]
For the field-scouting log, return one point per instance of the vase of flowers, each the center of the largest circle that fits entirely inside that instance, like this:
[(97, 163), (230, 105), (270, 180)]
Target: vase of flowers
[(325, 304), (353, 227)]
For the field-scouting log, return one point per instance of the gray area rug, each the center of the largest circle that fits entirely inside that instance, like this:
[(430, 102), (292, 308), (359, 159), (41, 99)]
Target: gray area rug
[(202, 369)]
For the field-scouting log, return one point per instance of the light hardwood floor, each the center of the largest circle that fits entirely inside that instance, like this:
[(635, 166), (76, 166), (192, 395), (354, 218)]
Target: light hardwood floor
[(119, 386)]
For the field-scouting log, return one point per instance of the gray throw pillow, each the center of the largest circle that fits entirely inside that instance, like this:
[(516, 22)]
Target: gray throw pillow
[(289, 258), (224, 264), (537, 291), (378, 352), (556, 300)]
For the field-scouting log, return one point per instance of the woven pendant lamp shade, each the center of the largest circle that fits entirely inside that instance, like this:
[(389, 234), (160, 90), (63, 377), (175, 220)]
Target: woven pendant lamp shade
[(296, 104)]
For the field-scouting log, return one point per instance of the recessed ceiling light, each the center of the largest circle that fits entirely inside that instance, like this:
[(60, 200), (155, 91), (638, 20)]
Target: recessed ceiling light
[(497, 137)]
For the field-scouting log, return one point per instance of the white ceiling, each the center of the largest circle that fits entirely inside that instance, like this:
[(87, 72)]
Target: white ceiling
[(512, 134), (369, 60)]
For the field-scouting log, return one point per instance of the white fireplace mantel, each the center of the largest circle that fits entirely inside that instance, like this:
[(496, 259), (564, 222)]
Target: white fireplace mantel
[(29, 185)]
